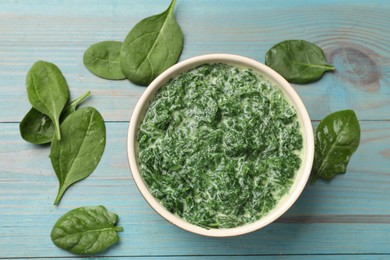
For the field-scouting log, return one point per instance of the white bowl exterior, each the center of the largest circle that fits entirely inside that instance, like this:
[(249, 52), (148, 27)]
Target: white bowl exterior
[(301, 177)]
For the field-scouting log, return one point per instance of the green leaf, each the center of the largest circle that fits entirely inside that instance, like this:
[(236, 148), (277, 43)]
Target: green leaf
[(336, 139), (102, 59), (298, 61), (47, 91), (72, 106), (37, 128), (86, 230), (152, 46), (77, 154)]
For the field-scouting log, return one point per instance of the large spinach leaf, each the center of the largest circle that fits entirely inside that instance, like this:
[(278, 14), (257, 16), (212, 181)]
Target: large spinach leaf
[(77, 154), (102, 59), (86, 230), (298, 61), (152, 46), (337, 137), (47, 91), (37, 128)]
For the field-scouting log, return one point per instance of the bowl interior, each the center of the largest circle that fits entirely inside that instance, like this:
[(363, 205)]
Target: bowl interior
[(302, 174)]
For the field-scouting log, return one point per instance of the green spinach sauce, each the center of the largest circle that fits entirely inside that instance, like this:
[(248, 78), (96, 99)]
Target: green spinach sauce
[(219, 146)]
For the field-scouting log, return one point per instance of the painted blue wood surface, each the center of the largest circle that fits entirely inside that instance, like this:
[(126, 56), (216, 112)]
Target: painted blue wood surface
[(354, 34), (349, 217)]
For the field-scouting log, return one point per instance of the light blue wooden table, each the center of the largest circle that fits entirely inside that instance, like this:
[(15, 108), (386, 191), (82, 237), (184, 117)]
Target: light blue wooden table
[(347, 218)]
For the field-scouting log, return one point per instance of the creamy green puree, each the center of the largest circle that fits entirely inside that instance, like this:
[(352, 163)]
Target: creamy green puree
[(219, 146)]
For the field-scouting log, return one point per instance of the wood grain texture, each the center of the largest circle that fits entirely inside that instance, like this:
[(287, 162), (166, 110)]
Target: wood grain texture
[(354, 34), (346, 218), (251, 257), (350, 215)]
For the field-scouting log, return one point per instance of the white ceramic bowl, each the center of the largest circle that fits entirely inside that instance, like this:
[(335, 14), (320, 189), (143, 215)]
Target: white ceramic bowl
[(301, 177)]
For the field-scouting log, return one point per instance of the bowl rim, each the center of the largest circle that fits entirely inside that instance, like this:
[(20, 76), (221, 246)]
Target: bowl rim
[(307, 132)]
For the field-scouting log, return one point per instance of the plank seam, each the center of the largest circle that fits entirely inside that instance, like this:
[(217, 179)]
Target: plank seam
[(124, 121), (194, 256)]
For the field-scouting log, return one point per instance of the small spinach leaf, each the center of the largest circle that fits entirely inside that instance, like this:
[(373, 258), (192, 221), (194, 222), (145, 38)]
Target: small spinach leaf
[(152, 46), (77, 154), (337, 137), (102, 59), (37, 128), (298, 61), (86, 230), (47, 91)]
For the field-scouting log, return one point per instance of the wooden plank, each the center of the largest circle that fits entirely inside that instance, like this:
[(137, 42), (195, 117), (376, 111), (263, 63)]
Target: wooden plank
[(354, 34), (347, 216), (275, 256), (342, 196), (160, 238)]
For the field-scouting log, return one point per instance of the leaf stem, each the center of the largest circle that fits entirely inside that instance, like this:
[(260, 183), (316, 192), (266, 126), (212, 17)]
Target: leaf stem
[(71, 107), (330, 67), (57, 128), (81, 98), (61, 191), (325, 66), (118, 229), (171, 6)]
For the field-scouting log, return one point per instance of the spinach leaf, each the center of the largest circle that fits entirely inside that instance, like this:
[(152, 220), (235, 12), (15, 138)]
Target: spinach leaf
[(298, 61), (337, 137), (37, 128), (102, 59), (47, 91), (77, 154), (72, 106), (152, 46), (86, 230)]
